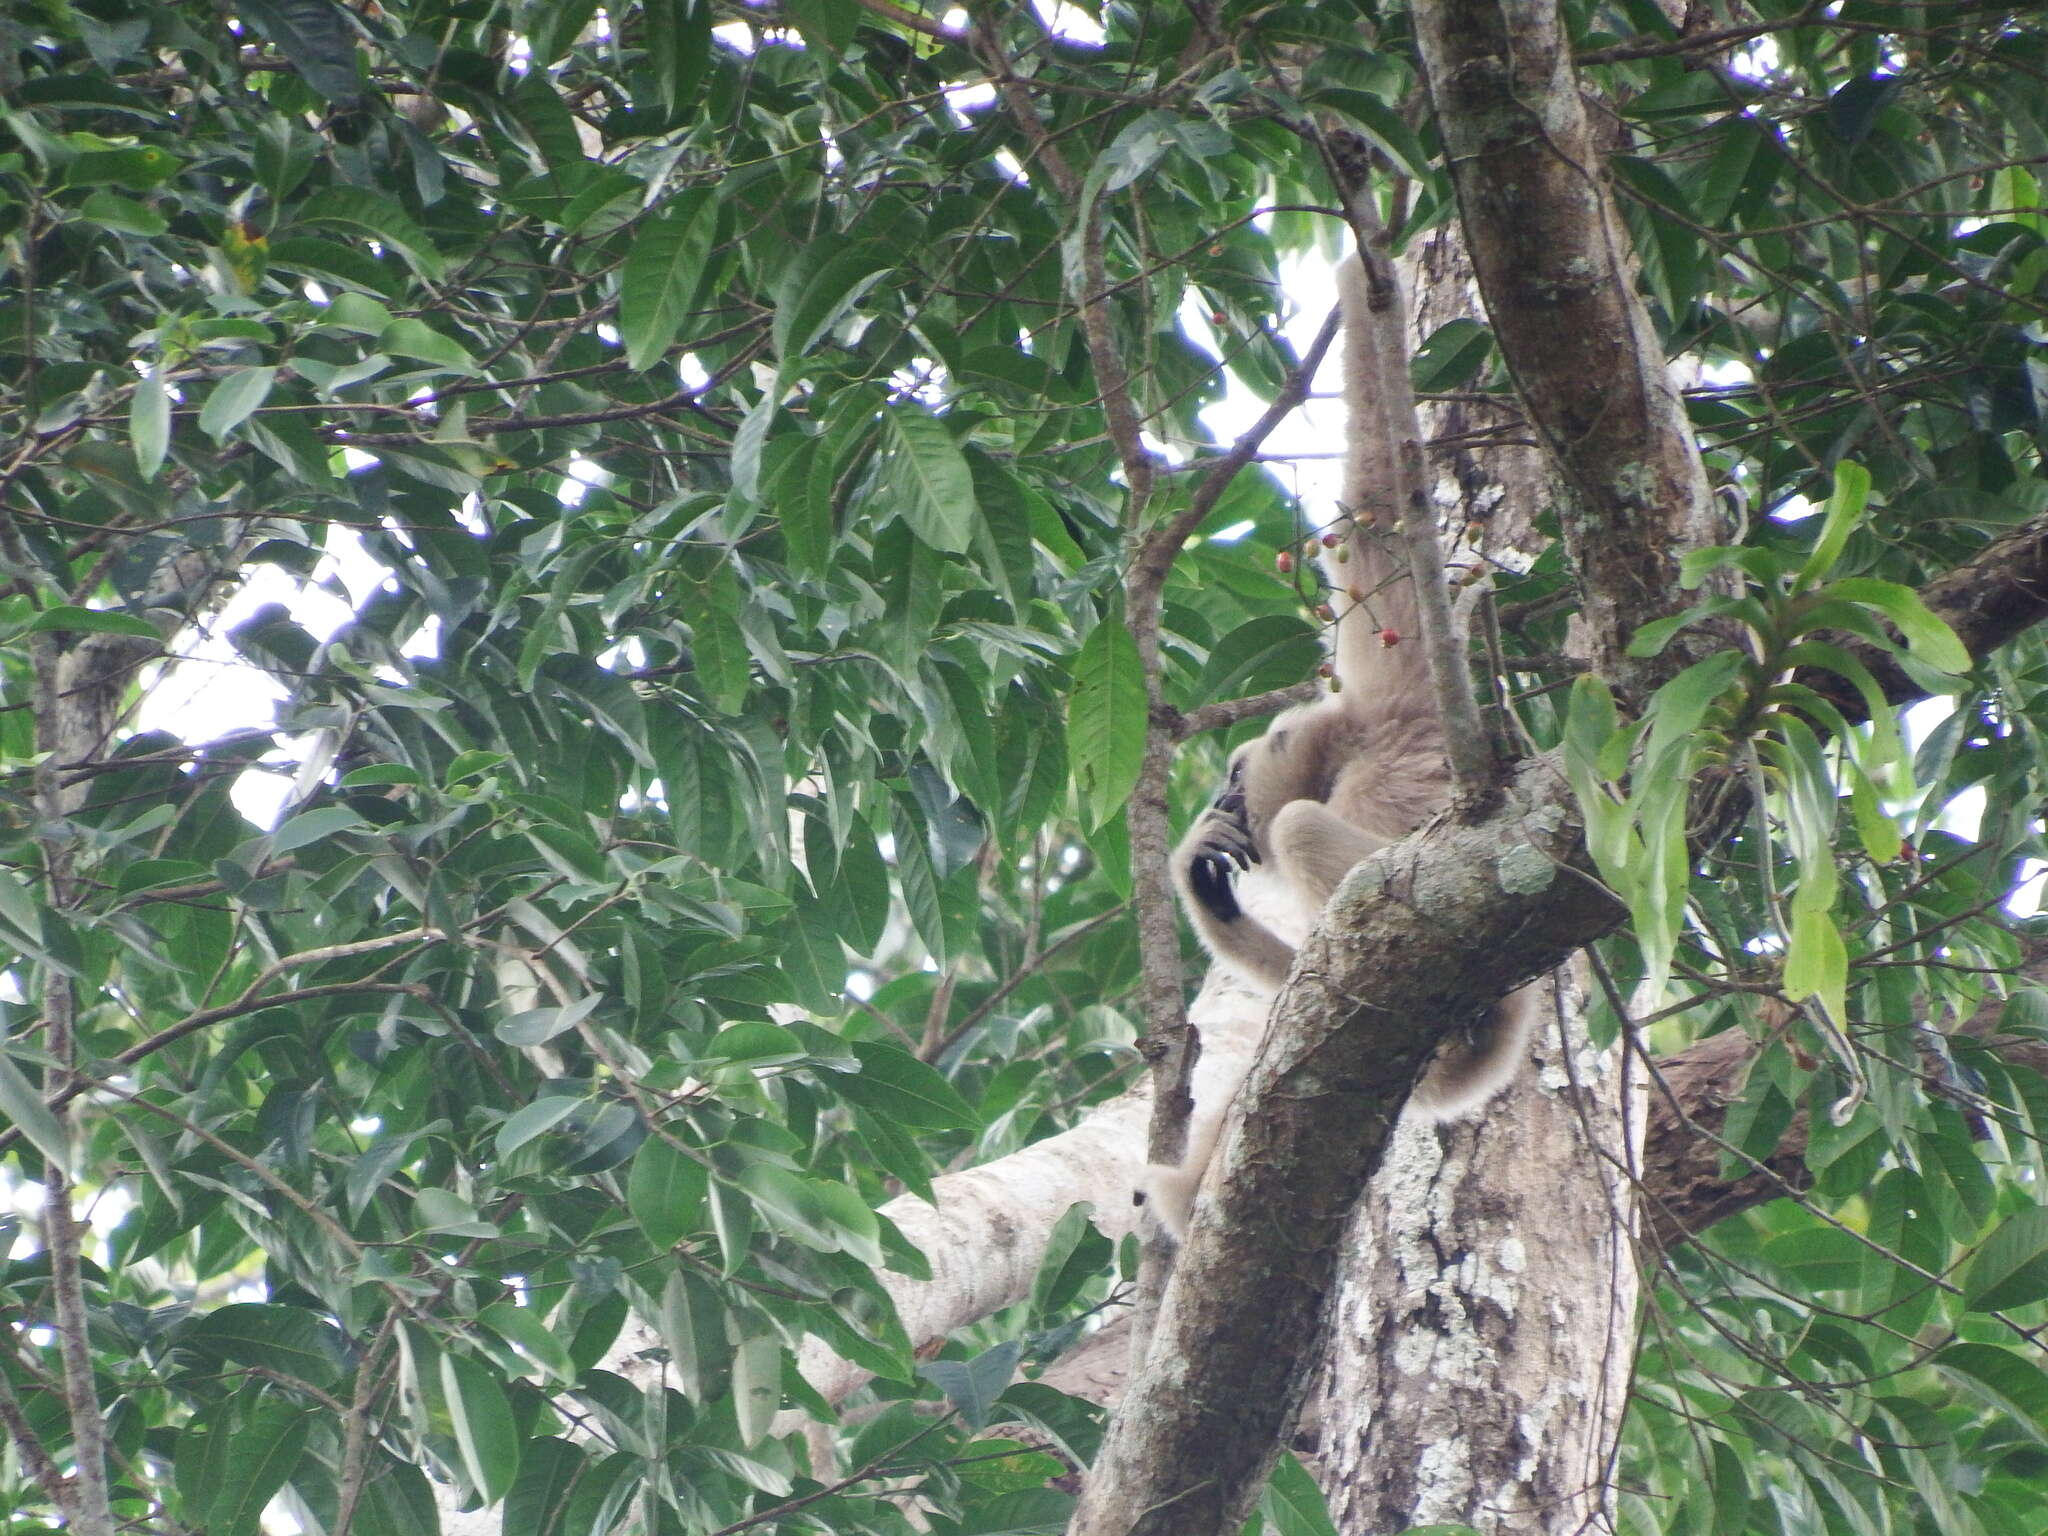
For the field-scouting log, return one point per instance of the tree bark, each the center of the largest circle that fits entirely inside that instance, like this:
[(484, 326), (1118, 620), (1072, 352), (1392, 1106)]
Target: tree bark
[(1486, 1308), (1554, 264)]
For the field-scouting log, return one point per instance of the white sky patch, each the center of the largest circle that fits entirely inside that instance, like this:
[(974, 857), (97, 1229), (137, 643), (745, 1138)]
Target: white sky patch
[(966, 99), (1304, 439), (1061, 19)]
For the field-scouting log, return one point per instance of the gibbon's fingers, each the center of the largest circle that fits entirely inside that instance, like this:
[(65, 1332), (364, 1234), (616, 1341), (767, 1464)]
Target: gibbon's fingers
[(1232, 839)]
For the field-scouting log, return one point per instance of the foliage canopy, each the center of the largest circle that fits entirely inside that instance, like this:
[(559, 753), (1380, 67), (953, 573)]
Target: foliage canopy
[(692, 410)]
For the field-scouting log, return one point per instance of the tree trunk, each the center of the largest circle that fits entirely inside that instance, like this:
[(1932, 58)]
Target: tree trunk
[(1485, 1320)]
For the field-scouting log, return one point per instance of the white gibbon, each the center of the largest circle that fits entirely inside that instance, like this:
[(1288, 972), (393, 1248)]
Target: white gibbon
[(1331, 783)]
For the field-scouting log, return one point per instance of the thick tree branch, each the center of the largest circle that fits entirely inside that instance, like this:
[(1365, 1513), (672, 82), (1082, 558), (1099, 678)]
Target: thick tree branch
[(1237, 1331), (1559, 283)]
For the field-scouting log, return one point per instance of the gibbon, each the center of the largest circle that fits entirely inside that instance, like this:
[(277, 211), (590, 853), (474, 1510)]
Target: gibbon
[(1331, 783)]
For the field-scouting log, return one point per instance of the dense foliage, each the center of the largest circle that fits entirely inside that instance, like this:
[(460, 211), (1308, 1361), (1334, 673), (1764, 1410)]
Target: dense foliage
[(707, 820)]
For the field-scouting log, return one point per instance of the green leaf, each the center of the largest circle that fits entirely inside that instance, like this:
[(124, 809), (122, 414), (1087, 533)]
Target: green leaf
[(1020, 1512), (539, 1117), (91, 621), (756, 1384), (522, 1328), (318, 39), (537, 1026), (284, 1339), (1267, 652), (24, 1106), (382, 218), (824, 282), (666, 1192), (233, 398), (928, 477), (1074, 1254), (1816, 960), (549, 1474), (149, 423), (1293, 1502), (1106, 716), (972, 1386), (113, 211), (2012, 1385), (415, 338), (1844, 511), (691, 1321), (2011, 1268), (894, 1083), (663, 275), (312, 827), (484, 1429), (256, 1459), (1927, 637), (679, 42)]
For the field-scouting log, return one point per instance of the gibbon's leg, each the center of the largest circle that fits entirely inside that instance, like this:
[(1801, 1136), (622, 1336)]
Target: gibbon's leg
[(1480, 1059), (1169, 1189), (1314, 847)]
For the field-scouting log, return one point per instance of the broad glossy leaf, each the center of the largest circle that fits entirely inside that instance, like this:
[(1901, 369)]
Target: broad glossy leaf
[(664, 272), (666, 1192), (1106, 720), (149, 423), (382, 218), (484, 1428), (2011, 1269), (929, 477)]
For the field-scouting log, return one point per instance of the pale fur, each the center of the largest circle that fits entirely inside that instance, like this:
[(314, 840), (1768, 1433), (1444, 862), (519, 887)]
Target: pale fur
[(1329, 784)]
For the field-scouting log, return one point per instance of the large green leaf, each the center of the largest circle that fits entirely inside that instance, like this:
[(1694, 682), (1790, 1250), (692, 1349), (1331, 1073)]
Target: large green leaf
[(663, 275), (1106, 720)]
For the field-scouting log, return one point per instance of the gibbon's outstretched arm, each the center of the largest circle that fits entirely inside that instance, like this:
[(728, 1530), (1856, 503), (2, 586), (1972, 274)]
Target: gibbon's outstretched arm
[(1335, 781)]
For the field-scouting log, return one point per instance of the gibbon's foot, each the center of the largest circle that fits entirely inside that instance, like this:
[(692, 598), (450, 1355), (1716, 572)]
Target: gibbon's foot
[(1223, 839)]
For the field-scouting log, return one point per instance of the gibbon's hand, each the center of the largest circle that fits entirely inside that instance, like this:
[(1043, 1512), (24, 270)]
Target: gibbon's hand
[(1223, 838)]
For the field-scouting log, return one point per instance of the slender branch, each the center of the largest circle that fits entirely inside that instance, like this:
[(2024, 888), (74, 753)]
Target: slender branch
[(91, 1512), (1163, 545), (355, 1446), (34, 1458), (904, 17), (192, 1023), (1024, 973), (1257, 706)]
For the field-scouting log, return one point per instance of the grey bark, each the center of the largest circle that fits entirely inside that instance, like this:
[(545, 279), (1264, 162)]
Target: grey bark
[(1486, 1309)]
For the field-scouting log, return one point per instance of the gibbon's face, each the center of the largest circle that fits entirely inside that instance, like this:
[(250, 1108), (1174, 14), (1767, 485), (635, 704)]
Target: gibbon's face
[(1249, 784)]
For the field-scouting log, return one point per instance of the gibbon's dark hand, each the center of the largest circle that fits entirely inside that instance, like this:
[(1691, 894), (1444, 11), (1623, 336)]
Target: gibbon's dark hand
[(1223, 840)]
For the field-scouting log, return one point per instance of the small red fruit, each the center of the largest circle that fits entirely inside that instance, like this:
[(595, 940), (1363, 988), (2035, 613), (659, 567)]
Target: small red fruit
[(1326, 613), (1332, 540), (1390, 638), (1284, 562)]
